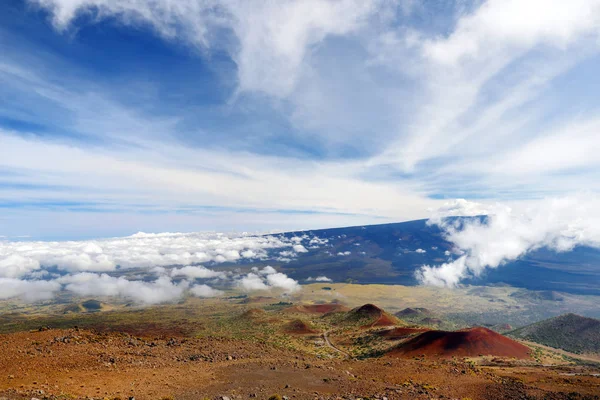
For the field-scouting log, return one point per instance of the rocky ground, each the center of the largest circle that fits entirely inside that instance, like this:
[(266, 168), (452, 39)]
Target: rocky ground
[(83, 364)]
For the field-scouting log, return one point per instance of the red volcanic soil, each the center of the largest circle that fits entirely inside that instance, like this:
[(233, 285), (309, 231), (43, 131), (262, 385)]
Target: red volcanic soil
[(372, 313), (317, 308), (466, 343), (399, 333), (299, 327)]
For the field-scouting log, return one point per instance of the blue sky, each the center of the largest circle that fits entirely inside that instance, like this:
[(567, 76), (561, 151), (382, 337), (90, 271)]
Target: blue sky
[(124, 115)]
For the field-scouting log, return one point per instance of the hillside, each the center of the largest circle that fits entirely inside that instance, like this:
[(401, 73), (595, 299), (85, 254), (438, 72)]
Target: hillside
[(369, 315), (391, 253), (569, 332), (466, 343)]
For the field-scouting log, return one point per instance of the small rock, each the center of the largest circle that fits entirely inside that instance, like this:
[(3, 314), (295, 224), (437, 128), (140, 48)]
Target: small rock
[(225, 398)]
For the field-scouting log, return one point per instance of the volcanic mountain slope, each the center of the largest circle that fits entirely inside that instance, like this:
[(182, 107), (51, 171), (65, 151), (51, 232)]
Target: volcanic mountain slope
[(253, 314), (369, 315), (415, 312), (391, 253), (317, 308), (569, 332), (299, 327), (400, 332), (466, 343)]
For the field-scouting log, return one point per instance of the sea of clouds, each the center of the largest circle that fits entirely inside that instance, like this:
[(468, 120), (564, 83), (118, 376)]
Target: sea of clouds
[(37, 270), (506, 234)]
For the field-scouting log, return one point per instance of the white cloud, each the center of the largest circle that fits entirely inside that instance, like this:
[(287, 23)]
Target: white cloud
[(34, 290), (298, 248), (162, 290), (344, 253), (196, 272), (267, 278), (15, 265), (478, 94), (464, 109), (559, 224), (205, 291), (420, 251), (141, 250), (459, 207), (317, 241), (272, 38), (268, 270), (280, 280), (252, 282), (513, 25), (319, 279)]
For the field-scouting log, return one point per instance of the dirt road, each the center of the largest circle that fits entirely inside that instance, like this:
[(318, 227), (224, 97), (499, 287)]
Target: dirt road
[(332, 346)]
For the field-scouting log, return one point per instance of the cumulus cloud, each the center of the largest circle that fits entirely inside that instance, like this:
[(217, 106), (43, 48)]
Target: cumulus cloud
[(267, 278), (252, 282), (319, 279), (205, 291), (142, 250), (459, 208), (298, 248), (197, 272), (36, 270), (161, 290), (420, 251), (344, 253), (558, 224), (34, 290), (280, 280)]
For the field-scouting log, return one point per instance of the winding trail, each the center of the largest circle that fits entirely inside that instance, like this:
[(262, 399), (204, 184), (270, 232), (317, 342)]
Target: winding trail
[(332, 346)]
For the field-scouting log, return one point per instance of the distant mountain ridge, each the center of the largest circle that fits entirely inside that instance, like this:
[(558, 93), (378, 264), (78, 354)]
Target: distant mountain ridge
[(569, 332), (391, 253)]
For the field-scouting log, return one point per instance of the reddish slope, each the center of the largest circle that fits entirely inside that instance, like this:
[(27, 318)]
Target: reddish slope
[(467, 343), (299, 327), (370, 315), (399, 333)]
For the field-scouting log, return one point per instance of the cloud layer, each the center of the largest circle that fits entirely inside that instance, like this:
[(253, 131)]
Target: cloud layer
[(472, 99), (142, 250), (559, 224), (37, 270)]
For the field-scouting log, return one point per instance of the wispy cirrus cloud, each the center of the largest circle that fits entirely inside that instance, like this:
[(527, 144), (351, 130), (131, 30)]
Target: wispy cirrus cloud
[(378, 114)]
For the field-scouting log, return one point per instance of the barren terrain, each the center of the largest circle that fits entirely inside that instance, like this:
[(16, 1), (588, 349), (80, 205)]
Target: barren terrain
[(255, 348)]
